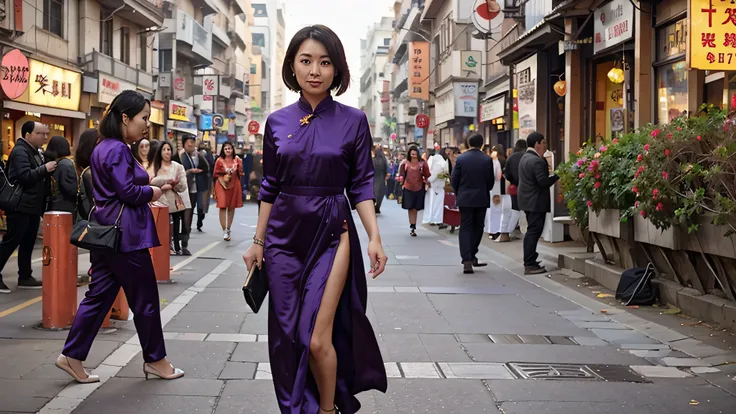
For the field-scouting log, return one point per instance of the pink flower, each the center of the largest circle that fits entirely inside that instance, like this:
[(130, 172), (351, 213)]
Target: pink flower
[(580, 162), (665, 175), (655, 132), (639, 158), (589, 203), (669, 136), (655, 192), (597, 176), (660, 207), (597, 185), (636, 204), (679, 129), (699, 138), (593, 165), (666, 153), (603, 148), (635, 190), (643, 214), (581, 175), (615, 141), (597, 155), (646, 147)]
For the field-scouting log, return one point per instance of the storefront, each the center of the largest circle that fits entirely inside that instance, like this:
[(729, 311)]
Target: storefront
[(456, 109), (494, 127), (180, 123), (102, 91), (610, 75), (40, 92), (157, 119)]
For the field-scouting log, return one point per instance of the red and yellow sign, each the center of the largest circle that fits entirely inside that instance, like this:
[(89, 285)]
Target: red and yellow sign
[(419, 70), (712, 35)]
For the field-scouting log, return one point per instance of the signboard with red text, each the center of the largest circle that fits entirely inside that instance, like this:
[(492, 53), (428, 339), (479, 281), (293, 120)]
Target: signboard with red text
[(712, 35)]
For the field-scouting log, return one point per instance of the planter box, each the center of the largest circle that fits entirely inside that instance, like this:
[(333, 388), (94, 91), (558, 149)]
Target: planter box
[(710, 238), (645, 232), (608, 222)]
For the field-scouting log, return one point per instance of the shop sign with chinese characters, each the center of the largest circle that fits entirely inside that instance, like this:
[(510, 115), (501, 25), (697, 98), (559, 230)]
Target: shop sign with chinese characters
[(108, 88), (180, 111), (52, 86), (419, 70), (712, 34), (613, 24)]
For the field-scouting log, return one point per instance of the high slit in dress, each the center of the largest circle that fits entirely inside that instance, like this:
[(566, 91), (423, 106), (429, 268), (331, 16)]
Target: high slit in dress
[(316, 165)]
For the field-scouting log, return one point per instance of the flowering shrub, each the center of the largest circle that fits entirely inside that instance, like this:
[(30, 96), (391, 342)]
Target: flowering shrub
[(599, 176), (688, 169)]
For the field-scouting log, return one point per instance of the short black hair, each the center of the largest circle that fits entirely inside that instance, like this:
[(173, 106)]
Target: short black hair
[(128, 102), (188, 138), (520, 145), (85, 145), (27, 128), (57, 148), (533, 139), (335, 50), (475, 140)]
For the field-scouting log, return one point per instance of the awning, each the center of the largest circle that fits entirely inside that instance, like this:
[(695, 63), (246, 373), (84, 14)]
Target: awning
[(537, 38), (44, 110)]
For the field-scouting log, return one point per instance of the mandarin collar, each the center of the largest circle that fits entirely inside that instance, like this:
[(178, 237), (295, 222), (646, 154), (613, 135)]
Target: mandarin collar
[(324, 104)]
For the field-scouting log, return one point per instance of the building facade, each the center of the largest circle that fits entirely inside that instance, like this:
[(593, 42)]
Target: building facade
[(192, 58), (265, 70), (374, 55)]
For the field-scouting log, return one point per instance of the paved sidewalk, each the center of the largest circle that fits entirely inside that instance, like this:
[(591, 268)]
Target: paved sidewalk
[(490, 342)]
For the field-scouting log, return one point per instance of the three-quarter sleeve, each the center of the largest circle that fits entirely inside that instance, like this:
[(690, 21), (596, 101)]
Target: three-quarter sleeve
[(270, 185), (122, 174), (361, 171)]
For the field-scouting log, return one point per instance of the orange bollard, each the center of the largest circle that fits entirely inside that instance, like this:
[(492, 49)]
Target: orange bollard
[(59, 272), (161, 256)]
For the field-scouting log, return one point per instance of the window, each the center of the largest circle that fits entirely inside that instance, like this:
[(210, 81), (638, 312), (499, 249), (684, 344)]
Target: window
[(53, 16), (259, 10), (446, 33), (143, 47), (387, 41), (259, 39), (264, 71), (253, 69), (166, 61), (125, 45), (671, 71), (105, 34), (671, 91)]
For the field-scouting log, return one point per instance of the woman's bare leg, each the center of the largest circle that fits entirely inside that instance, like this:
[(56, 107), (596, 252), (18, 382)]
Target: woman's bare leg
[(230, 217), (223, 218), (322, 355)]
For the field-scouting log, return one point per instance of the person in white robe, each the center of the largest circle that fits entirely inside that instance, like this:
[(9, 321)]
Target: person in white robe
[(438, 169), (493, 215)]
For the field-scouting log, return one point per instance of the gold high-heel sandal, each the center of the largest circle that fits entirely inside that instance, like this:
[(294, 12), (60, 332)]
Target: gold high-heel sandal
[(63, 363), (147, 369)]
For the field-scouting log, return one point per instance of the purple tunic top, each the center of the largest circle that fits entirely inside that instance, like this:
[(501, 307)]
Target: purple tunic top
[(313, 172), (119, 181)]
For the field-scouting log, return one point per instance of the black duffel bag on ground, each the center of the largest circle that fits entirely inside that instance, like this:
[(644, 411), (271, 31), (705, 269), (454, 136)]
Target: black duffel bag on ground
[(635, 287)]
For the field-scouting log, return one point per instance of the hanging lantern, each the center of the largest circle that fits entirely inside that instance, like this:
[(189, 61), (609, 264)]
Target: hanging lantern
[(616, 75), (560, 87)]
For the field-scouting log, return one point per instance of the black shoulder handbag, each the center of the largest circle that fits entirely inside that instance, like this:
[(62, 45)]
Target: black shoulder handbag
[(10, 194), (255, 287), (87, 234)]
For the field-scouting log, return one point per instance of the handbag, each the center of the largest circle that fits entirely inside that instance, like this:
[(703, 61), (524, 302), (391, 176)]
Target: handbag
[(255, 287), (87, 234), (10, 194)]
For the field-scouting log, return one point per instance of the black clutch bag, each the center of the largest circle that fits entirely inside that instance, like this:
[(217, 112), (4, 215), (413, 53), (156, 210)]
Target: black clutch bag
[(87, 234), (255, 287)]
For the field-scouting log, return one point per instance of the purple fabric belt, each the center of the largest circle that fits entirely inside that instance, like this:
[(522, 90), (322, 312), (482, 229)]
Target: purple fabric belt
[(312, 191)]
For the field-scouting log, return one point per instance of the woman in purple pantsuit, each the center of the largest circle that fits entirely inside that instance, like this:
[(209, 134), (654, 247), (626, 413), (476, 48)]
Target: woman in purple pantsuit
[(316, 165), (120, 187)]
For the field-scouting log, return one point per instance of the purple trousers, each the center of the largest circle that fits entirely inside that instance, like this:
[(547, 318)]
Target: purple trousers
[(134, 272)]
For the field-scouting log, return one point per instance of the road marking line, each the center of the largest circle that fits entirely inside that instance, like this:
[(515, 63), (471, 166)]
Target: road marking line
[(23, 305), (194, 256), (74, 394)]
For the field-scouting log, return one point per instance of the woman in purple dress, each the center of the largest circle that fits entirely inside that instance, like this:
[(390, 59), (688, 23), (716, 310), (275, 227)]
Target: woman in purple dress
[(120, 189), (316, 166)]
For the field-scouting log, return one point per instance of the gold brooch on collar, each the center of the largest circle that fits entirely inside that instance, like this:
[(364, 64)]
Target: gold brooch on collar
[(306, 119)]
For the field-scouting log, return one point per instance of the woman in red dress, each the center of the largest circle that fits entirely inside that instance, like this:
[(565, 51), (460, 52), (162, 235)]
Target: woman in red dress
[(228, 194)]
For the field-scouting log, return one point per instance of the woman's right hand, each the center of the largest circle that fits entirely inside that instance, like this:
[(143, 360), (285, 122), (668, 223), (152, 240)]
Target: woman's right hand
[(254, 254), (156, 193), (166, 187)]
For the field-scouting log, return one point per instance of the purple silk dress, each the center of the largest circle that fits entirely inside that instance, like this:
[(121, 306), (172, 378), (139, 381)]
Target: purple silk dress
[(310, 173)]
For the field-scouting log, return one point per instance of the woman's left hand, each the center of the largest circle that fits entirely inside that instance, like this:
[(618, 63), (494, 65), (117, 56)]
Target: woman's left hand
[(377, 257)]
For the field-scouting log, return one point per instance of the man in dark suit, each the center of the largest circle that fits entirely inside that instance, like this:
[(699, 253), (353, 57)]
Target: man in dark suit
[(472, 180), (535, 181), (26, 167)]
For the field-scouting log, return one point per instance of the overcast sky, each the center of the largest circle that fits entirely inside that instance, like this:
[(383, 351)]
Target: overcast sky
[(350, 19)]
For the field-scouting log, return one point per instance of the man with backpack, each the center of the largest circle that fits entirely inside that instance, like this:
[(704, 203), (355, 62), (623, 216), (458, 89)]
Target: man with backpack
[(26, 167)]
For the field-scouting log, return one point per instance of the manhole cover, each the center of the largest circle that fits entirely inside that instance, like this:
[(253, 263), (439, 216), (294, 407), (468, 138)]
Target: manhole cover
[(553, 371)]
